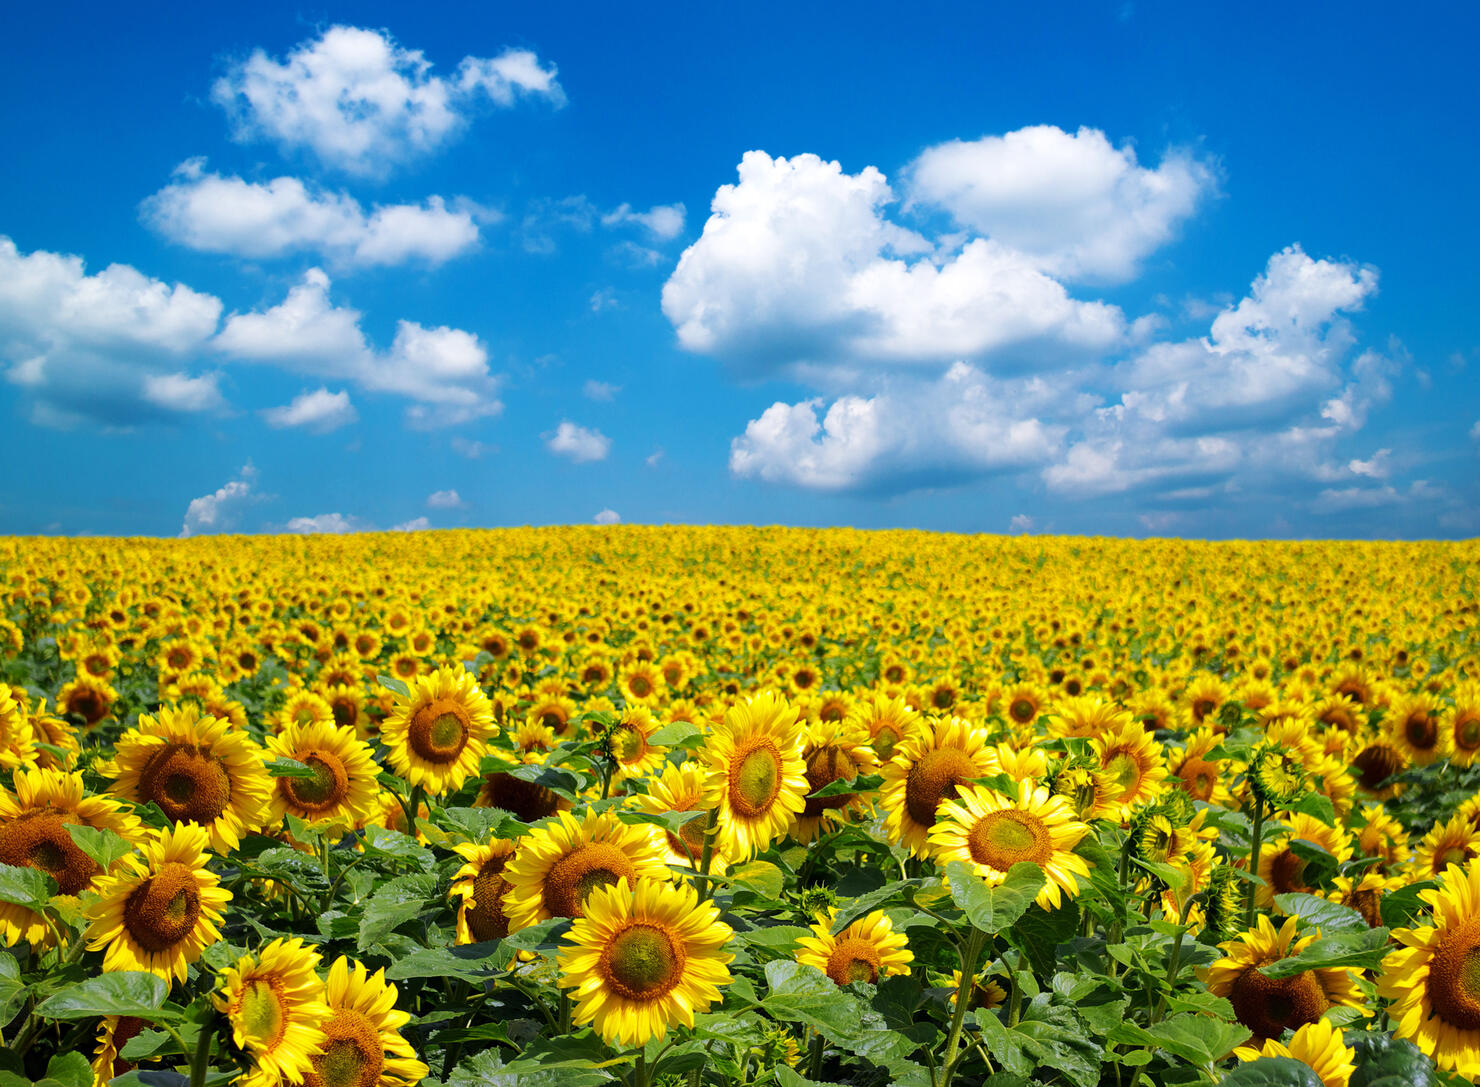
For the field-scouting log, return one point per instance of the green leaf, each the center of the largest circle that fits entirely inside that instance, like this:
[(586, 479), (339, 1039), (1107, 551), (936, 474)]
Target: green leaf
[(1006, 1046), (394, 903), (300, 870), (470, 962), (1364, 950), (804, 994), (780, 939), (862, 784), (28, 887), (1039, 932), (1058, 1040), (480, 824), (397, 846), (391, 683), (1402, 907), (99, 843), (70, 1069), (290, 768), (677, 734), (854, 908), (761, 877), (1272, 1072), (122, 992), (671, 821), (1384, 1061), (1314, 910), (1318, 805), (1195, 1038), (992, 909)]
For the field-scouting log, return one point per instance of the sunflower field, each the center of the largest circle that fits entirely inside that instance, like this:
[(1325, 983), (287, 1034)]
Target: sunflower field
[(681, 806)]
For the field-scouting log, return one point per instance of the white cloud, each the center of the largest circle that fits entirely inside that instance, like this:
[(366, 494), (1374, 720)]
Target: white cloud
[(663, 221), (797, 264), (249, 219), (108, 346), (318, 410), (445, 500), (330, 523), (464, 447), (578, 443), (605, 298), (416, 524), (444, 370), (1375, 467), (219, 510), (362, 103), (914, 434), (1475, 431), (653, 459), (1021, 522), (600, 390), (608, 517), (184, 394), (1077, 206)]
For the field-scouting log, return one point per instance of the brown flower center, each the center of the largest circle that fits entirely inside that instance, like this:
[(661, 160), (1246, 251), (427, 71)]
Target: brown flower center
[(1421, 730), (1269, 1006), (825, 766), (1375, 764), (1454, 976), (853, 960), (326, 789), (439, 731), (525, 799), (755, 777), (485, 915), (1199, 778), (578, 873), (189, 783), (40, 840), (1022, 710), (353, 1053), (1286, 873), (164, 909), (1001, 839), (642, 962), (934, 778)]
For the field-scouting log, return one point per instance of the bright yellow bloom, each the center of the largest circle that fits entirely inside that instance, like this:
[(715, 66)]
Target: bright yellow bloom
[(275, 1004), (439, 731), (866, 950)]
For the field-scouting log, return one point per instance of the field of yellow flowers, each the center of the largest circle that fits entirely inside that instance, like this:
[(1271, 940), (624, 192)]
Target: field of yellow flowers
[(573, 806)]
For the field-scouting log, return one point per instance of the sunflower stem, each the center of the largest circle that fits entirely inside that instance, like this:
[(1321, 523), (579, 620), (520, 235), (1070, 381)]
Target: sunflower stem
[(974, 944), (707, 857), (814, 1066), (1258, 842), (412, 808), (201, 1060), (564, 1012), (639, 1074)]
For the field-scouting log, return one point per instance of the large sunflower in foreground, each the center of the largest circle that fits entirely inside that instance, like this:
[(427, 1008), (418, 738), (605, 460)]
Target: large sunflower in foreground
[(275, 1004), (992, 831), (363, 1045), (757, 776), (1434, 979), (642, 959), (439, 730), (1269, 1006), (162, 909), (834, 751), (343, 787), (33, 834), (562, 862), (479, 886), (1318, 1045), (866, 950), (197, 770), (927, 769)]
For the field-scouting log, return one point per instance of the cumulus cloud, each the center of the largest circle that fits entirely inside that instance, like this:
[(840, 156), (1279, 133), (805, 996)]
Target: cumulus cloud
[(444, 370), (326, 523), (416, 524), (219, 214), (362, 103), (110, 346), (220, 510), (797, 264), (465, 447), (1020, 523), (578, 443), (1077, 206), (318, 410), (608, 517), (663, 221), (915, 434), (445, 500), (599, 390)]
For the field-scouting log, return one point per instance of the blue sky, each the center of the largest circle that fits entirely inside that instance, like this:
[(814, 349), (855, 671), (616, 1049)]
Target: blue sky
[(1130, 269)]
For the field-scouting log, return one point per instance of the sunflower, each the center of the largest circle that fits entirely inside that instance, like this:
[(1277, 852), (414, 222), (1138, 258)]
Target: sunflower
[(559, 865), (347, 704), (162, 909), (1454, 842), (275, 1004), (52, 730), (197, 770), (1024, 702), (927, 769), (1199, 776), (17, 737), (114, 1032), (363, 1046), (1383, 837), (479, 886), (1133, 759), (343, 787), (642, 959), (1318, 1045), (1433, 981), (1089, 716), (1375, 761), (681, 788), (887, 720), (993, 831), (554, 711), (641, 683), (757, 776), (1019, 763), (437, 734), (634, 756), (1463, 724), (866, 950), (1269, 1006), (833, 752), (1283, 870), (33, 834), (1363, 893), (1413, 727)]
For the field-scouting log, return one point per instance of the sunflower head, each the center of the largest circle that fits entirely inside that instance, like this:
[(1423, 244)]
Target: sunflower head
[(866, 950), (439, 729), (756, 773), (274, 1002)]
